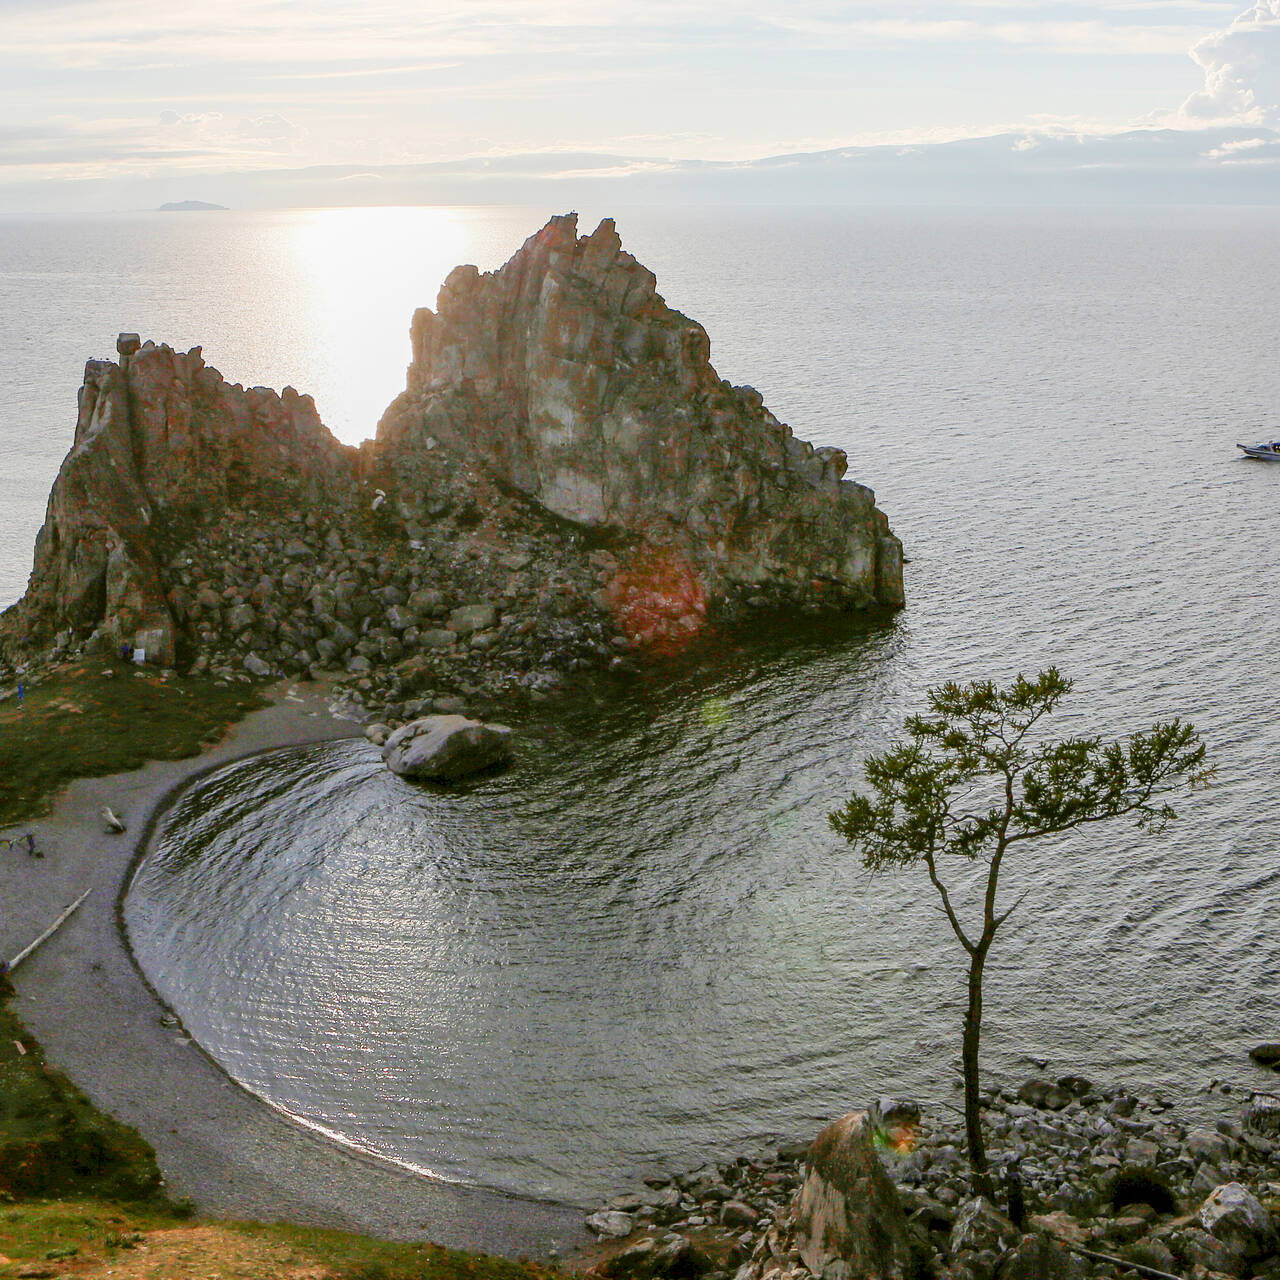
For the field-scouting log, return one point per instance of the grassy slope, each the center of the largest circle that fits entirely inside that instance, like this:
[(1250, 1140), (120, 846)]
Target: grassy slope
[(82, 1192), (93, 1239), (83, 723), (52, 1140)]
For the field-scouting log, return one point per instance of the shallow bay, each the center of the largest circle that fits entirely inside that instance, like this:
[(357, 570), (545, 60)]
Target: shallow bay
[(643, 944)]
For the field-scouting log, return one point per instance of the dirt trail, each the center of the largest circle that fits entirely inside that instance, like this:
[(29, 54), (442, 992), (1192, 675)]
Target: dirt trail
[(184, 1253)]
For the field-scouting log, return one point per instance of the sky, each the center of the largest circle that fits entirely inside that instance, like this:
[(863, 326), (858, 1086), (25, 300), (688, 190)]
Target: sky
[(104, 99)]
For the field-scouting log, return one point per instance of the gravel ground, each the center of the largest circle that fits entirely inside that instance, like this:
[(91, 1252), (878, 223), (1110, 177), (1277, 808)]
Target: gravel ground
[(82, 996)]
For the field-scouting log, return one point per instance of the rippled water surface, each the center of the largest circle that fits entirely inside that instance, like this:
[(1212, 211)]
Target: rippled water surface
[(642, 944)]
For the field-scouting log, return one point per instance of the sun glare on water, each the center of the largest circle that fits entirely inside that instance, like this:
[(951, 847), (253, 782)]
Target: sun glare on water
[(362, 274)]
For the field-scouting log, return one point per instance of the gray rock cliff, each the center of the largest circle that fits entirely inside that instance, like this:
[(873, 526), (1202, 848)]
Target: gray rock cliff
[(570, 378), (557, 398), (162, 442)]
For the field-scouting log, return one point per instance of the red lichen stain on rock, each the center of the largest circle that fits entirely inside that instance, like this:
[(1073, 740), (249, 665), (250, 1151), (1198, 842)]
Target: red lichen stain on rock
[(658, 600)]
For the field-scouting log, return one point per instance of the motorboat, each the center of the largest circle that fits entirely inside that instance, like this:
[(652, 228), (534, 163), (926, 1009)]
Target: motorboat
[(1268, 452)]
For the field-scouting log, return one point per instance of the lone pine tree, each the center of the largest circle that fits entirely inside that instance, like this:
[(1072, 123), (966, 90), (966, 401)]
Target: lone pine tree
[(976, 779)]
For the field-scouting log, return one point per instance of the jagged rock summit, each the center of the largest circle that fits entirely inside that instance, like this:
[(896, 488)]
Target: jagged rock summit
[(565, 463), (162, 444), (570, 377)]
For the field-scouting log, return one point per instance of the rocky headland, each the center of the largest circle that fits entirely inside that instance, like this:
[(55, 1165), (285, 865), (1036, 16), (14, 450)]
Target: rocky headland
[(565, 484)]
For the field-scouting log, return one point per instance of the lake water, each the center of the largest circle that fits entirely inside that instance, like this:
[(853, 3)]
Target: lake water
[(642, 946)]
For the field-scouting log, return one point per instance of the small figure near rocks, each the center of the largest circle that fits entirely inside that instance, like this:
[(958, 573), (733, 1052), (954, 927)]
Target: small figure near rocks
[(112, 820), (1015, 1200)]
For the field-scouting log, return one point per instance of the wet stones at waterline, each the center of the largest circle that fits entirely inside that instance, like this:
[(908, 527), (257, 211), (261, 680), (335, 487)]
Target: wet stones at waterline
[(1110, 1175)]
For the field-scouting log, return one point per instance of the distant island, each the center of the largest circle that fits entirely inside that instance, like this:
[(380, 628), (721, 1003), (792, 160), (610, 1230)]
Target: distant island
[(190, 206)]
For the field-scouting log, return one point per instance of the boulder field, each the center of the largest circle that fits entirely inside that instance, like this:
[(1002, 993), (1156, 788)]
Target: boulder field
[(565, 482), (1093, 1183)]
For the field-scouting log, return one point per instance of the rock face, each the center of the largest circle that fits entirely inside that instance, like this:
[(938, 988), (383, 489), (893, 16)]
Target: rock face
[(208, 523), (446, 747), (161, 443), (847, 1212), (568, 377)]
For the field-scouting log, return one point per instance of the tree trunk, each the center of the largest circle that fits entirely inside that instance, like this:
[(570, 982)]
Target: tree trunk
[(969, 1058)]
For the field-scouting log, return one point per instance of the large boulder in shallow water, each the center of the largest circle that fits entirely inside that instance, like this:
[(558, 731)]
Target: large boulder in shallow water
[(446, 747)]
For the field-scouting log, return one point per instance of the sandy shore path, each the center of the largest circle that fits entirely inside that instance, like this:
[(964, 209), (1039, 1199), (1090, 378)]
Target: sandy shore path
[(82, 997)]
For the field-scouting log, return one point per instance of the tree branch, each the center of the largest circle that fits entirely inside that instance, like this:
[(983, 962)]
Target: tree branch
[(946, 904), (1004, 915)]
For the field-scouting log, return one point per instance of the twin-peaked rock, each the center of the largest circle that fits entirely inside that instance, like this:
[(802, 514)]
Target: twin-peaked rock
[(563, 377), (570, 377)]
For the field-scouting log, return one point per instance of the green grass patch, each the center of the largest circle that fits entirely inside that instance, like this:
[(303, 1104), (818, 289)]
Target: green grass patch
[(34, 1230), (105, 716), (358, 1257), (91, 1232), (52, 1139)]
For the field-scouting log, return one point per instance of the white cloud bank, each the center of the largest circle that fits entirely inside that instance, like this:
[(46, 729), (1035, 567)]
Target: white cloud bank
[(1241, 72)]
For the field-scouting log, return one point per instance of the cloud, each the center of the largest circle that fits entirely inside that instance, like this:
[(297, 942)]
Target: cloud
[(1247, 151), (228, 135), (251, 83), (271, 129), (1241, 71), (105, 146), (337, 39), (1241, 144), (1086, 36)]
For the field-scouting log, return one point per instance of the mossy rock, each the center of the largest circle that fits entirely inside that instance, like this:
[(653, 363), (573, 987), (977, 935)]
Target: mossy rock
[(1135, 1184)]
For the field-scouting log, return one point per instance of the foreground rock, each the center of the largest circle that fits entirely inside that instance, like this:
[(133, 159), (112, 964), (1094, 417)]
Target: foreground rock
[(446, 747), (847, 1211), (1109, 1182)]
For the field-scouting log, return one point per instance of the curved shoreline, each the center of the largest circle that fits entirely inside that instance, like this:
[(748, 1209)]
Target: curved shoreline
[(86, 999)]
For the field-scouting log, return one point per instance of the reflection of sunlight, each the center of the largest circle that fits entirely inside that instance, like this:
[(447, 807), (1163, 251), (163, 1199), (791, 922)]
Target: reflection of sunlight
[(363, 273), (715, 713)]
